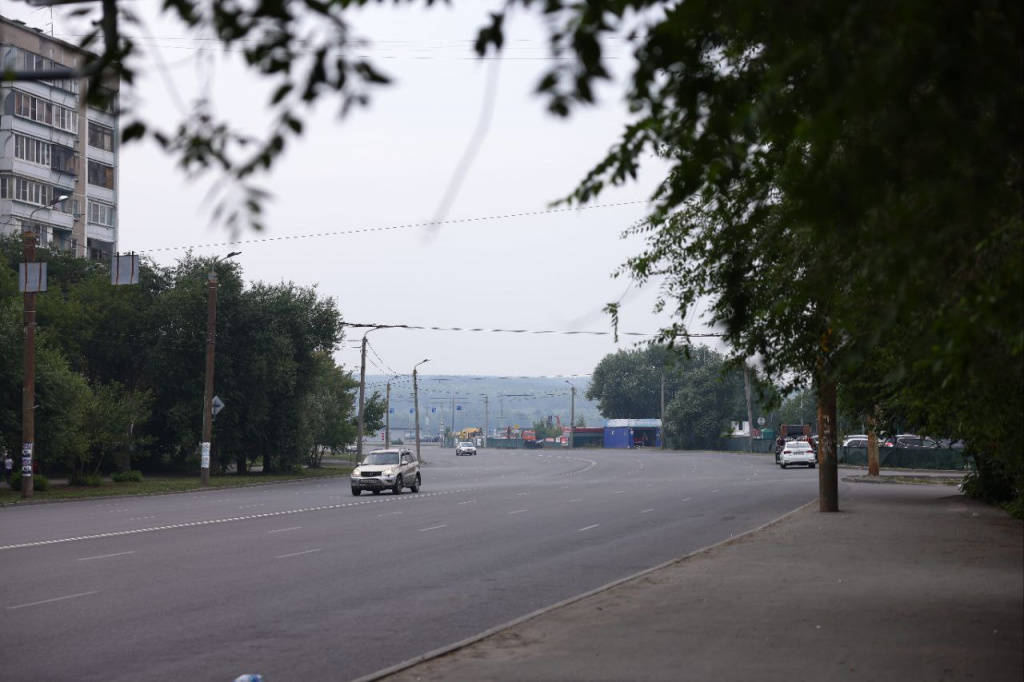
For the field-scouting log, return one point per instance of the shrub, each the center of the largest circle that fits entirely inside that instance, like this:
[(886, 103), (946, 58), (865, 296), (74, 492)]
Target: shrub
[(40, 483), (93, 480), (127, 477)]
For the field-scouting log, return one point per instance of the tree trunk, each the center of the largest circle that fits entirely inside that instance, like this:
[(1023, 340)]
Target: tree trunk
[(828, 469), (872, 423)]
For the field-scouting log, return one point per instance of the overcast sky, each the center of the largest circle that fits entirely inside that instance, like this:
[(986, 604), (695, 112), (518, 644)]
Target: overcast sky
[(389, 166)]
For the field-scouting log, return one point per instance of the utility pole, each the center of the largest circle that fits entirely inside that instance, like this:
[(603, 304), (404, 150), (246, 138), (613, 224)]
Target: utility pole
[(663, 439), (416, 406), (387, 418), (211, 343), (28, 393), (487, 419), (572, 417), (362, 384), (33, 279), (750, 413)]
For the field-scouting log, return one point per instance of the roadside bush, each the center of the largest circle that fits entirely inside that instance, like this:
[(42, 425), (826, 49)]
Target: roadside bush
[(41, 483), (127, 477)]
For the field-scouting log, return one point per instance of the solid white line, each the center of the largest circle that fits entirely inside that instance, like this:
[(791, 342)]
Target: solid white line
[(518, 511), (433, 528), (589, 527), (646, 510), (281, 530), (104, 556), (308, 551), (49, 601)]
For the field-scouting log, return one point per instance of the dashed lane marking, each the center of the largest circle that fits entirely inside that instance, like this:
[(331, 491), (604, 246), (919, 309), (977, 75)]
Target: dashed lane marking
[(308, 551), (518, 511), (50, 601), (434, 527), (212, 522), (281, 530), (104, 556), (589, 527), (645, 511)]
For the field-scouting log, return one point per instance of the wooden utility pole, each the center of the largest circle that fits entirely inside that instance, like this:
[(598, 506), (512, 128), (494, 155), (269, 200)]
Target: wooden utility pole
[(28, 392), (416, 407), (872, 422), (211, 343)]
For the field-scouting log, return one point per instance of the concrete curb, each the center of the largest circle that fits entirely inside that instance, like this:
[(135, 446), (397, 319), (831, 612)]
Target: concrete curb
[(437, 653)]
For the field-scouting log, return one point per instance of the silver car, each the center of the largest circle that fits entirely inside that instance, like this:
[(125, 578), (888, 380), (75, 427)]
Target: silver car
[(465, 448), (386, 470)]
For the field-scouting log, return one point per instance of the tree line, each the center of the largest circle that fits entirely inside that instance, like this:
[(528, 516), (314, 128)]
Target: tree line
[(120, 370)]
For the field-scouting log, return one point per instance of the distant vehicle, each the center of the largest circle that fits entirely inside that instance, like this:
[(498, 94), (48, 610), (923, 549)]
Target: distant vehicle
[(797, 452), (909, 440), (391, 469), (465, 448)]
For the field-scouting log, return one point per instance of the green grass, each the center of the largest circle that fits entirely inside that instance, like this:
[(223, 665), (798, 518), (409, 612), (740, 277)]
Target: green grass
[(167, 484)]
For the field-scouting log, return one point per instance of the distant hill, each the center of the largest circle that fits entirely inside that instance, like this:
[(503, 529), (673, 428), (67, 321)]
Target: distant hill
[(509, 401)]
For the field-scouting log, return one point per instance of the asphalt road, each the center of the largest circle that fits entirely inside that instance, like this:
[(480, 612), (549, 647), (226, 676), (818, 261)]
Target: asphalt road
[(304, 581)]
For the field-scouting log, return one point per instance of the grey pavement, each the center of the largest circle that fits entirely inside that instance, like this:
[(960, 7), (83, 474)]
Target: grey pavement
[(906, 582)]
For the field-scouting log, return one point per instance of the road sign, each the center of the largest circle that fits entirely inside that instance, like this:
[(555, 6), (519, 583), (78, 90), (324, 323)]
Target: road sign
[(217, 405)]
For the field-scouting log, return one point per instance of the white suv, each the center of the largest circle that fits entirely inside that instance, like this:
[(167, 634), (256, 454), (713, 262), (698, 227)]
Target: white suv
[(386, 470)]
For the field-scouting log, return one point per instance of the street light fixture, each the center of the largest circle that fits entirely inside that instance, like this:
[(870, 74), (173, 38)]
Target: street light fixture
[(362, 383), (416, 405), (211, 342), (28, 392)]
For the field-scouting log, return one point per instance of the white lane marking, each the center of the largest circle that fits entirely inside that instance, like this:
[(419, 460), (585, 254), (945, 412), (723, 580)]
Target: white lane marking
[(50, 601), (518, 511), (104, 556), (575, 500), (589, 527), (308, 551), (141, 518), (468, 502), (646, 511), (715, 491), (687, 499), (281, 530), (211, 522), (433, 528), (619, 491), (521, 494), (389, 513)]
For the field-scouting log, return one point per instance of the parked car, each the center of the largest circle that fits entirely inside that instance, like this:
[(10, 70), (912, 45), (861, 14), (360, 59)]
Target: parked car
[(797, 452), (465, 448), (856, 441), (392, 470), (909, 440)]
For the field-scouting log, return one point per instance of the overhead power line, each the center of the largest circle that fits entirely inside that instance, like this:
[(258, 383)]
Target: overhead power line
[(523, 331), (407, 226)]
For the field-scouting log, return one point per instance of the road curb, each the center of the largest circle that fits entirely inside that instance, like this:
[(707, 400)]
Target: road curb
[(451, 648)]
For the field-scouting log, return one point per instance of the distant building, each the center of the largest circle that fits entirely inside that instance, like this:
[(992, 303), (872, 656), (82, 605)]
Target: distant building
[(52, 144), (631, 433)]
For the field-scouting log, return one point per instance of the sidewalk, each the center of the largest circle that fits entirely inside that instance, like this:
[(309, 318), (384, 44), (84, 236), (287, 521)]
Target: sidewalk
[(905, 583)]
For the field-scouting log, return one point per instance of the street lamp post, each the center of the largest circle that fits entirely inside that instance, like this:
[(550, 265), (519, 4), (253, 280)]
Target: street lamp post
[(362, 384), (572, 416), (28, 393), (211, 344), (387, 414), (416, 406)]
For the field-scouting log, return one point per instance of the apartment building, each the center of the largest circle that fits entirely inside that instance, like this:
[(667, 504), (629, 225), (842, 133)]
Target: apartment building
[(52, 145)]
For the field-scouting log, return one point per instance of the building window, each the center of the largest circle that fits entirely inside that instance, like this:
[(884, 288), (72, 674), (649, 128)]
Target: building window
[(31, 150), (101, 214), (28, 61), (25, 190), (63, 159), (101, 174), (41, 111), (101, 137)]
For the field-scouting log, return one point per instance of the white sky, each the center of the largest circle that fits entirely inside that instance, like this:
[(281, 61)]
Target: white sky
[(389, 165)]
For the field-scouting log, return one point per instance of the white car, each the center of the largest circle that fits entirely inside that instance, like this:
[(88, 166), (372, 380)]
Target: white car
[(386, 470), (465, 448), (797, 452)]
